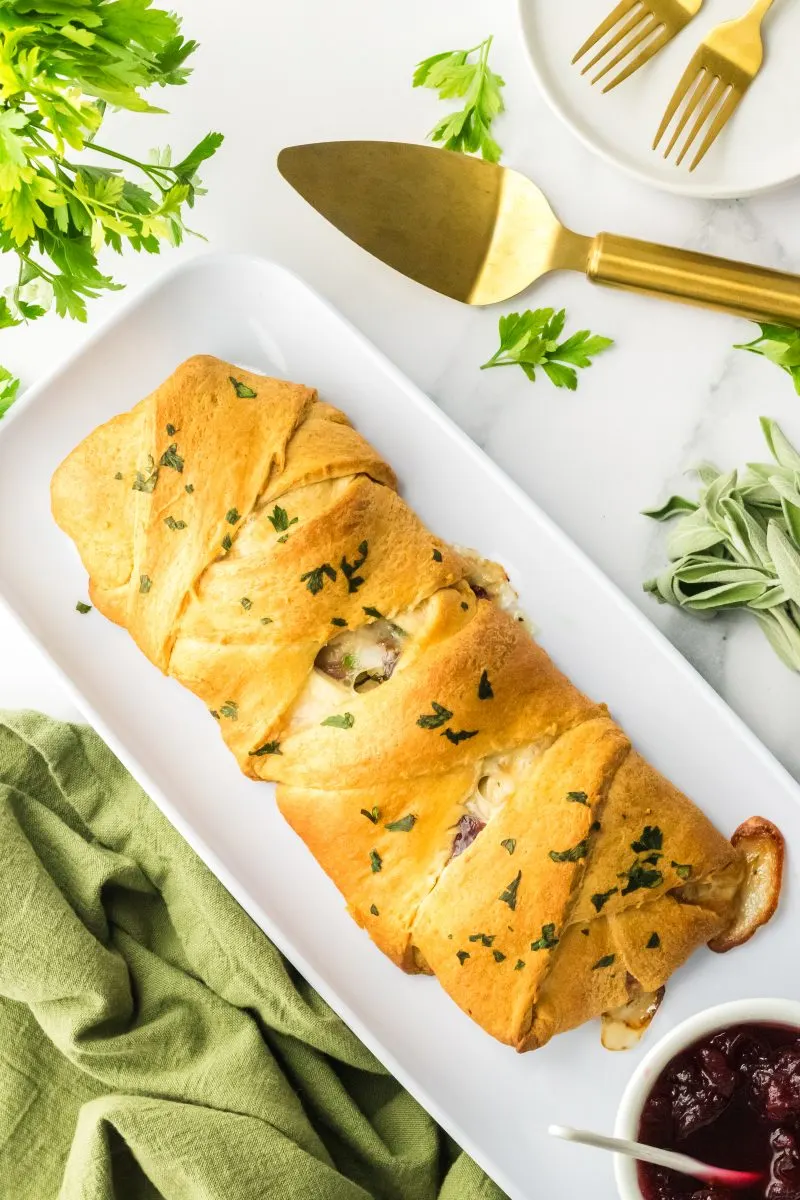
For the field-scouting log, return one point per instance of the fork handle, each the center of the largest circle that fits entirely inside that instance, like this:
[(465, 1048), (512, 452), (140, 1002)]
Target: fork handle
[(740, 288)]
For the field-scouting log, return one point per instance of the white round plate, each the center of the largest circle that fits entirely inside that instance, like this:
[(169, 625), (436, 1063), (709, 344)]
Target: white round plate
[(759, 150)]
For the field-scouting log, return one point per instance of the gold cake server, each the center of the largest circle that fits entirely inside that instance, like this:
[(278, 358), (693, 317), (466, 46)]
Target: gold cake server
[(482, 233)]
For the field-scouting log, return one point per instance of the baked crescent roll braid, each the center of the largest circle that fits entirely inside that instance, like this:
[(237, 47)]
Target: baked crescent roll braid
[(484, 820)]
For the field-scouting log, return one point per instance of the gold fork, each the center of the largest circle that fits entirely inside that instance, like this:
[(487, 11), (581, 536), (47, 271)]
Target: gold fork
[(649, 24), (715, 82)]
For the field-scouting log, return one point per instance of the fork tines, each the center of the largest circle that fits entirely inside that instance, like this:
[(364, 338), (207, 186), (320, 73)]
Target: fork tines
[(706, 101), (631, 27)]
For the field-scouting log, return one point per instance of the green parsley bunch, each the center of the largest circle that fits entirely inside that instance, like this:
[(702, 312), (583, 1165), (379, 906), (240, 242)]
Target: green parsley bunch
[(62, 63)]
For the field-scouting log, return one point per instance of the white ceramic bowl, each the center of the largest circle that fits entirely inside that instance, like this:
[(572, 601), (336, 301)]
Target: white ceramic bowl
[(723, 1016)]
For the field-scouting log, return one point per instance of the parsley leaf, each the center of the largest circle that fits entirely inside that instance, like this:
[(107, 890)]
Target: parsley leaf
[(509, 844), (509, 896), (279, 519), (781, 345), (462, 956), (64, 63), (607, 960), (376, 862), (578, 798), (454, 76), (374, 910), (652, 839), (463, 735), (349, 569), (531, 340), (485, 688), (682, 870), (174, 525), (9, 384), (373, 816), (600, 899), (575, 854), (548, 940), (404, 825), (171, 458), (145, 583), (233, 516), (315, 580), (639, 877), (145, 483), (267, 748), (230, 710), (653, 943), (83, 608), (242, 390), (340, 721), (373, 612), (340, 621), (439, 717)]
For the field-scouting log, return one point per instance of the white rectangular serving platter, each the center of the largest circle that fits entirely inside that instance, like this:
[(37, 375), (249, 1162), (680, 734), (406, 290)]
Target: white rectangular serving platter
[(495, 1103)]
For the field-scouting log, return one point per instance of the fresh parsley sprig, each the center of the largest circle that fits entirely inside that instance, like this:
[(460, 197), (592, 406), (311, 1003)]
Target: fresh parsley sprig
[(738, 545), (531, 340), (9, 386), (465, 74), (62, 62), (781, 345)]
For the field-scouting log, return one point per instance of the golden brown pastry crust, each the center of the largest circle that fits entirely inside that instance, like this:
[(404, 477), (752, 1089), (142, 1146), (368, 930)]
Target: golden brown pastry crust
[(235, 525)]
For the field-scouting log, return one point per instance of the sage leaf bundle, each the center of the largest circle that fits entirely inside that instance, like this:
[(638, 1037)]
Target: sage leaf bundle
[(738, 546)]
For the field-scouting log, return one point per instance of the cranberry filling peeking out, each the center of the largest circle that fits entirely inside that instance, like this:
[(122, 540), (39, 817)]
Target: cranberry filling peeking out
[(468, 829)]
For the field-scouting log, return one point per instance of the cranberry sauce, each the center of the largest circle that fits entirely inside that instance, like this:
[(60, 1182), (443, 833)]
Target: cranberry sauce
[(732, 1100)]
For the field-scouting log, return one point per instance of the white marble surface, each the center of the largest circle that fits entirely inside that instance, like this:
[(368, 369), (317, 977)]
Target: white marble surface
[(272, 73)]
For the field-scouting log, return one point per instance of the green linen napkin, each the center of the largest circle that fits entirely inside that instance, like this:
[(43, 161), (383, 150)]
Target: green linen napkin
[(153, 1042)]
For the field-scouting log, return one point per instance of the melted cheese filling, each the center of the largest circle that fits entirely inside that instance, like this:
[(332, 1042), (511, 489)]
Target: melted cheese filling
[(500, 778), (490, 578), (624, 1027)]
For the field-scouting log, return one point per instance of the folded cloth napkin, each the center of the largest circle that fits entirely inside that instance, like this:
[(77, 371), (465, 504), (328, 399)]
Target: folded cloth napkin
[(153, 1042)]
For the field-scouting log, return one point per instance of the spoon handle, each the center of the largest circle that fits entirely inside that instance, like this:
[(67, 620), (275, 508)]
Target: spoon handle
[(658, 1157)]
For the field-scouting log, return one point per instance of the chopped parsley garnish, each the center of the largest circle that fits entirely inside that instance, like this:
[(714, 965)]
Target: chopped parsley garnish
[(585, 932), (315, 581), (189, 488), (519, 965), (279, 519), (349, 570), (171, 458), (118, 475), (283, 538), (486, 939), (267, 748), (214, 713), (548, 940), (510, 844), (683, 870), (83, 608), (227, 543), (435, 720), (606, 961), (509, 896), (340, 721), (373, 612), (376, 862), (595, 827), (600, 899), (578, 798), (340, 621), (232, 516), (498, 956), (437, 556), (373, 816), (145, 583), (652, 839), (485, 688), (266, 620), (463, 735), (246, 603), (404, 825), (640, 876), (574, 855), (464, 605), (230, 710), (462, 956), (654, 942), (374, 910), (145, 483), (242, 390), (171, 431), (172, 524)]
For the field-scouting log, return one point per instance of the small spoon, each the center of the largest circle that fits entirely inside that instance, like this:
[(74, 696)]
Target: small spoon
[(660, 1158)]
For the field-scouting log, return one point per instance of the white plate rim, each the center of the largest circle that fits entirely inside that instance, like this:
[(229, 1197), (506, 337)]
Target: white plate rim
[(244, 898), (684, 185)]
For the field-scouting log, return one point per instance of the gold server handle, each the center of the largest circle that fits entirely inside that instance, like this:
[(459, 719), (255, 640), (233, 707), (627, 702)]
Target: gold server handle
[(740, 288)]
